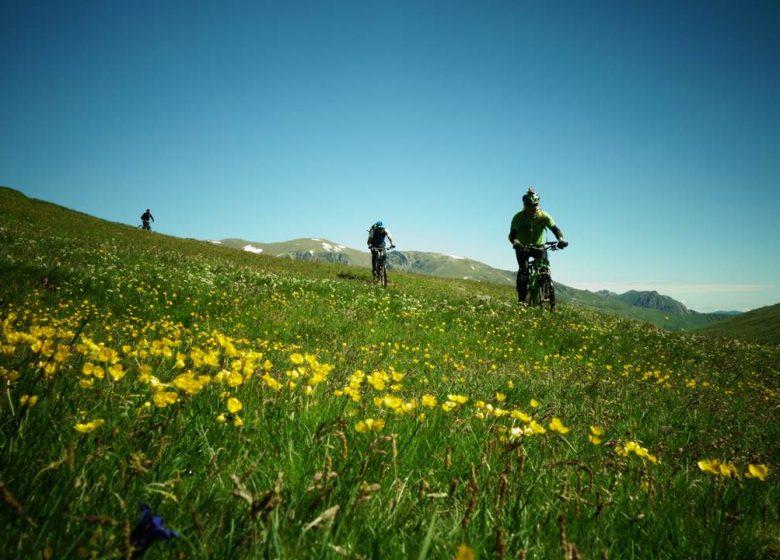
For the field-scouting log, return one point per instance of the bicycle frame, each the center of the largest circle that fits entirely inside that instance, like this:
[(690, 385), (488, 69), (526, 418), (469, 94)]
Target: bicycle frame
[(540, 288), (381, 267)]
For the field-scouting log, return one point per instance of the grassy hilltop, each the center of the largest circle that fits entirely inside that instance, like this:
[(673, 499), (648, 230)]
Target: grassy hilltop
[(270, 408)]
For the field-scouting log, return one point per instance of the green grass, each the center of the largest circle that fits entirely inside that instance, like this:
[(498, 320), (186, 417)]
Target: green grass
[(758, 325), (154, 342)]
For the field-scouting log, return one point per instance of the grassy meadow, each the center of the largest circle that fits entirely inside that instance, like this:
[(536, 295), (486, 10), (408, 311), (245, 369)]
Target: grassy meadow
[(268, 408)]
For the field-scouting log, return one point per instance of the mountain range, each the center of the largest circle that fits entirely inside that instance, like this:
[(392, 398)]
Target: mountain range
[(649, 306)]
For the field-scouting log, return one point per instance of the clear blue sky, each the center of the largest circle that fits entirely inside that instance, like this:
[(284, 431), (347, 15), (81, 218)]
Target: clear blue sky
[(651, 130)]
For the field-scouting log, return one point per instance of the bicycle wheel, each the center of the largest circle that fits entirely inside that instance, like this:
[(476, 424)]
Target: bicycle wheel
[(546, 293), (383, 276), (534, 298)]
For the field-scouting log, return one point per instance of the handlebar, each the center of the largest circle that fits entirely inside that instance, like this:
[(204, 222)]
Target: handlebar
[(548, 246)]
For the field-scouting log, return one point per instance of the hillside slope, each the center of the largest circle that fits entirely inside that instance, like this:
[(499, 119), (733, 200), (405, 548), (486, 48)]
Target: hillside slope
[(652, 307), (275, 408), (758, 325)]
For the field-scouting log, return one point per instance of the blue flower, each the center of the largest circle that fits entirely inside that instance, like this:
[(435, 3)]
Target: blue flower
[(150, 528)]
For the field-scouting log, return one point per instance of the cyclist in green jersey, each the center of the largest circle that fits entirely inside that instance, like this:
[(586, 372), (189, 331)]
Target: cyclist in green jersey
[(526, 233)]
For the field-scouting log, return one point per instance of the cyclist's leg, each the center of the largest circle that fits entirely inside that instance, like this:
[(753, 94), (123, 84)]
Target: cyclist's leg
[(522, 274), (373, 262)]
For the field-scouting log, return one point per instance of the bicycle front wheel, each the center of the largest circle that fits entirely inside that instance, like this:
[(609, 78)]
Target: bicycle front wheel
[(546, 293), (383, 276)]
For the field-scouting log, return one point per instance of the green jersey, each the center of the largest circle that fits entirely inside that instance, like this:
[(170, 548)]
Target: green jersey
[(529, 230)]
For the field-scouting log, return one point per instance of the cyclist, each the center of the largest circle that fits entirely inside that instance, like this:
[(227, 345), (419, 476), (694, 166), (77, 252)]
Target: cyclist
[(145, 217), (527, 236), (377, 235)]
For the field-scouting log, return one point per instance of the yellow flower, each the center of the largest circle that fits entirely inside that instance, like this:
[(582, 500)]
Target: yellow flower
[(520, 415), (459, 399), (596, 430), (534, 403), (465, 553), (238, 422), (296, 359), (757, 471), (165, 398), (429, 401), (117, 372), (557, 426), (221, 419), (28, 400), (500, 397), (595, 440), (711, 466), (234, 379), (234, 405), (89, 426), (536, 427), (271, 382), (370, 425), (728, 470)]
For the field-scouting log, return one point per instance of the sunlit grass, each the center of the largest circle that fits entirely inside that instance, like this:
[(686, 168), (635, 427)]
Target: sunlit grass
[(268, 408)]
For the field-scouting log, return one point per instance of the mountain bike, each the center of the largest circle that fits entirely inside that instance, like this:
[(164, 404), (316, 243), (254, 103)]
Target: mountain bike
[(380, 274), (541, 291)]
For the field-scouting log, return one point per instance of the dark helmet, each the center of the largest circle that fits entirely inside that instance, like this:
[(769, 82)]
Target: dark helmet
[(531, 198)]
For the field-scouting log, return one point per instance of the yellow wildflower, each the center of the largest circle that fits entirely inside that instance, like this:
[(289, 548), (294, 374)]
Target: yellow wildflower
[(89, 426), (728, 470), (757, 471), (370, 425), (165, 398), (557, 426), (429, 401), (296, 359), (28, 400), (117, 372), (234, 405), (711, 466)]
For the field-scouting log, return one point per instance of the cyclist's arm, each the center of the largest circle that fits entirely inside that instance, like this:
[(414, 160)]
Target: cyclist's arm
[(389, 238), (557, 233)]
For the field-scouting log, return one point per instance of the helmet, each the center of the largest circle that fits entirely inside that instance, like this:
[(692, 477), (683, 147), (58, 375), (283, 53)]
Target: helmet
[(531, 198), (380, 223)]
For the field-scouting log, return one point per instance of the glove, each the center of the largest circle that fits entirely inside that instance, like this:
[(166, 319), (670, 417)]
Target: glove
[(562, 243)]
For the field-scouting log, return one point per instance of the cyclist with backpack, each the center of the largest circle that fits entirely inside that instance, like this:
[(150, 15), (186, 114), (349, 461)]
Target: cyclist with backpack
[(145, 217), (526, 233), (377, 235)]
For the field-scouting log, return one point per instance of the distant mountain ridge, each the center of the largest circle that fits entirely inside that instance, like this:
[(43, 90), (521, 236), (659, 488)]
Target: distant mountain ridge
[(647, 306), (649, 300)]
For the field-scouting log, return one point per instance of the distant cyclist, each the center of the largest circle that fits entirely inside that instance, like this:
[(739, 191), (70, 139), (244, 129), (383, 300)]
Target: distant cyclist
[(145, 218), (377, 235), (527, 236)]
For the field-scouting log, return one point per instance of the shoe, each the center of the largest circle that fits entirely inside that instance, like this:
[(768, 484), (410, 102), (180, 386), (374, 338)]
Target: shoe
[(522, 305)]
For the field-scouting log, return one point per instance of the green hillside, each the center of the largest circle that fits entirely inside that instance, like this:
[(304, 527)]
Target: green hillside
[(650, 307), (758, 325), (278, 408)]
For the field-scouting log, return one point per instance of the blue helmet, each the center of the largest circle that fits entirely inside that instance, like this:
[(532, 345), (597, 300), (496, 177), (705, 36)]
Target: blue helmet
[(380, 223)]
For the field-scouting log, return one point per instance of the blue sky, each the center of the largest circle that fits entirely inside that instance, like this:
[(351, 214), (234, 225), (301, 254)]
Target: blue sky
[(651, 130)]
